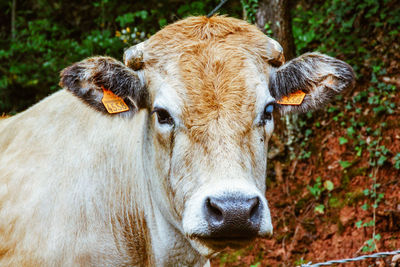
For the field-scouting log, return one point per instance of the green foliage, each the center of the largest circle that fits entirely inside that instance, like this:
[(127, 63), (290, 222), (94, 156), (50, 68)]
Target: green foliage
[(348, 28), (36, 57), (267, 28), (371, 243), (396, 160), (317, 189), (327, 27), (343, 140), (250, 8), (343, 29), (193, 8), (130, 17), (300, 261), (345, 164)]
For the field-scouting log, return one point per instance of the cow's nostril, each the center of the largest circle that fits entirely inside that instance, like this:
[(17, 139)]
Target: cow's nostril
[(254, 208), (214, 210)]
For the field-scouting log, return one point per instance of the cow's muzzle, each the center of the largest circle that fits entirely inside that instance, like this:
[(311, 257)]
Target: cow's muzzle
[(233, 217), (232, 221)]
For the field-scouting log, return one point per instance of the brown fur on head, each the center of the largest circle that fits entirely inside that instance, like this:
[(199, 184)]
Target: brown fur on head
[(236, 33)]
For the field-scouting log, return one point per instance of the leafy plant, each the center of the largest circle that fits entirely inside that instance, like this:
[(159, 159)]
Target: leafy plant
[(396, 160), (250, 8), (317, 189)]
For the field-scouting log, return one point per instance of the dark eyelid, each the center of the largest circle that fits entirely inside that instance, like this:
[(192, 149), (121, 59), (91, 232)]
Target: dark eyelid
[(271, 103), (156, 109), (163, 116)]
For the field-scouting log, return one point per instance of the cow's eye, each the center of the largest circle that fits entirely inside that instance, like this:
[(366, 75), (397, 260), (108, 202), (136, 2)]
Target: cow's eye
[(163, 116), (267, 115)]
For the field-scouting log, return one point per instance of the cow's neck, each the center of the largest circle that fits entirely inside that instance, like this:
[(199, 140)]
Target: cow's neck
[(147, 236)]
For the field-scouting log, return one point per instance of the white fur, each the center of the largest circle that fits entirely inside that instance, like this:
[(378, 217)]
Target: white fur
[(58, 197)]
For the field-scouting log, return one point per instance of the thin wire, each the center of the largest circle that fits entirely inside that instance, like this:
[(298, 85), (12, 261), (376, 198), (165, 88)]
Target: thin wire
[(360, 258), (216, 8)]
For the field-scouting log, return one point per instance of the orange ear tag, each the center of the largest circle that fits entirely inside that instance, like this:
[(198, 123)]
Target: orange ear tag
[(294, 99), (112, 102)]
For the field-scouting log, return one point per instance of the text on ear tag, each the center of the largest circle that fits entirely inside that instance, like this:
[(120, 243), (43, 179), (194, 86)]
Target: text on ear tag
[(112, 102), (293, 99)]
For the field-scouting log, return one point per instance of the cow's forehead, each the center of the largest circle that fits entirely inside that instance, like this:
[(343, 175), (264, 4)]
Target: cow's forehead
[(214, 59), (215, 86)]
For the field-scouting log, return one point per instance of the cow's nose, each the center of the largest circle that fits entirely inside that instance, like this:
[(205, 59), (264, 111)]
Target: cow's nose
[(233, 217)]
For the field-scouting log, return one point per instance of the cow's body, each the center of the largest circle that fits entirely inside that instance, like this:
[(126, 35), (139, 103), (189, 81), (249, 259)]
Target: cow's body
[(88, 216), (80, 187)]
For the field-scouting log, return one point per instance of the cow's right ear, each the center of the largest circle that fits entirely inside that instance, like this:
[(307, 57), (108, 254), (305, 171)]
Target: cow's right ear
[(94, 78)]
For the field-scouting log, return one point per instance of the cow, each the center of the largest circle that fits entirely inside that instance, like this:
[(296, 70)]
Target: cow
[(157, 161)]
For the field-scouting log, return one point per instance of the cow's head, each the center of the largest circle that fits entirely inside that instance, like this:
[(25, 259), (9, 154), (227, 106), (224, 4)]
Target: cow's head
[(209, 87)]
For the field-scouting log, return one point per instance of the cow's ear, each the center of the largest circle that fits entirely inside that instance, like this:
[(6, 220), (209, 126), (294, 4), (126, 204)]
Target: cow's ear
[(102, 82), (319, 76)]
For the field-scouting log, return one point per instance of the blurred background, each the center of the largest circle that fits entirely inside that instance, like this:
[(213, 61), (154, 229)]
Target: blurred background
[(333, 175)]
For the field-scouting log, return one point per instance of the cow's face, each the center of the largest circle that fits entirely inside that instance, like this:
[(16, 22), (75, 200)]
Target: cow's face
[(210, 88), (212, 119)]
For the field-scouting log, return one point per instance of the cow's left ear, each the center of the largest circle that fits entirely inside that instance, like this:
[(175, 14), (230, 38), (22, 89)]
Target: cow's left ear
[(320, 77), (106, 85)]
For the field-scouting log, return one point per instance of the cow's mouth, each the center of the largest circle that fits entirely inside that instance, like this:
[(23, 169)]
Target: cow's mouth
[(220, 243)]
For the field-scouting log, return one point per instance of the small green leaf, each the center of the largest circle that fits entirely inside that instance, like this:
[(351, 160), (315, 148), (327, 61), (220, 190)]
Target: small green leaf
[(334, 202), (350, 131), (162, 22), (359, 224), (377, 185), (365, 206), (343, 140), (319, 209), (382, 159), (370, 223), (328, 185), (345, 164)]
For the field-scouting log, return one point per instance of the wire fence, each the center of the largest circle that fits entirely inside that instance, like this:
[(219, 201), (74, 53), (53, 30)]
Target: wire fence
[(360, 258)]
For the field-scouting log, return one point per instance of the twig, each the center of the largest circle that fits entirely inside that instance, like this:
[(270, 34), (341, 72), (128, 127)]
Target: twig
[(374, 207), (216, 8)]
